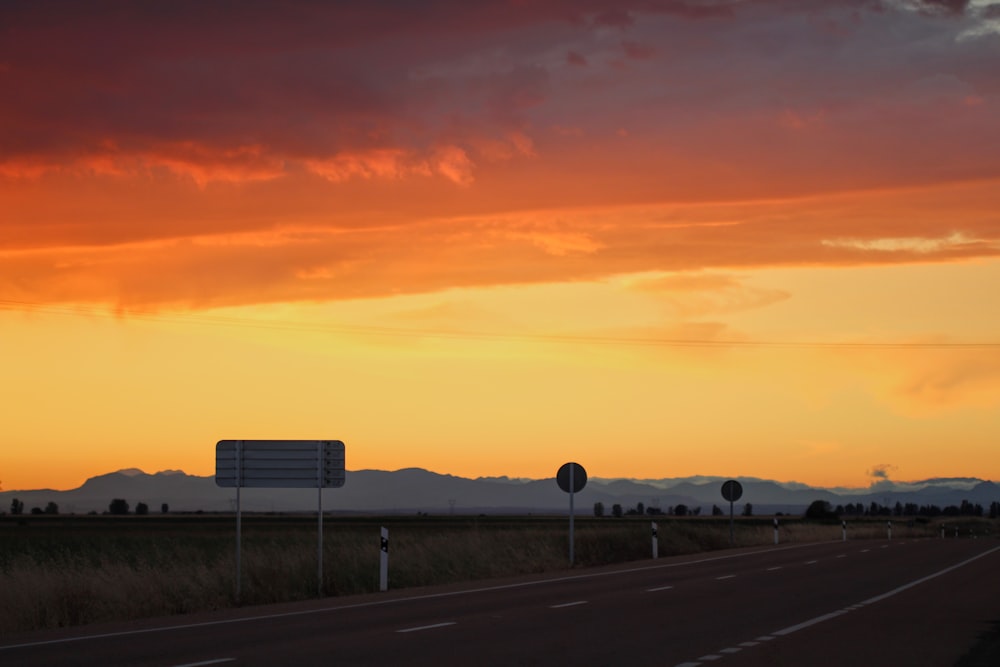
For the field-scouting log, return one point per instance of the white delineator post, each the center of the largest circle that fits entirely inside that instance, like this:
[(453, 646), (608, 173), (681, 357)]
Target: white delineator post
[(889, 528), (775, 530), (843, 528), (383, 567), (656, 543)]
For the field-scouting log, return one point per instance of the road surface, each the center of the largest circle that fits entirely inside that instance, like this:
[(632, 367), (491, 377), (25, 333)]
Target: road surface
[(857, 603)]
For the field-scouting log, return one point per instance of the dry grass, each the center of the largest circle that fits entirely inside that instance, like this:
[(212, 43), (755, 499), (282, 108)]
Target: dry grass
[(66, 571)]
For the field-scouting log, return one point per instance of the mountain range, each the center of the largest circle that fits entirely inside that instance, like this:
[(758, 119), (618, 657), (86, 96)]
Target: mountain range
[(412, 490)]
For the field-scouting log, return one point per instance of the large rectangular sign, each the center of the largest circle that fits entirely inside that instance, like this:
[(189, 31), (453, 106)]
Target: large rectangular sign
[(280, 464)]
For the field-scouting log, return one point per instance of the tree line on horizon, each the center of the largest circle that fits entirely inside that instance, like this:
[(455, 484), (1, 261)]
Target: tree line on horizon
[(818, 509)]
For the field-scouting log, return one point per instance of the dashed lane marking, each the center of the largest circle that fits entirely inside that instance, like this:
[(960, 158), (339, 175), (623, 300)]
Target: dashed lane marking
[(567, 604), (206, 662), (772, 569), (427, 627), (658, 588), (725, 576)]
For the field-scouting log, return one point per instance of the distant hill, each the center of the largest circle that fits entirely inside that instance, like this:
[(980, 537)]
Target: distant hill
[(413, 490)]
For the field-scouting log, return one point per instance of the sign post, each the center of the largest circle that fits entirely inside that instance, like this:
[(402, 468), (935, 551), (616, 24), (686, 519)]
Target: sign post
[(571, 478), (279, 464), (731, 491)]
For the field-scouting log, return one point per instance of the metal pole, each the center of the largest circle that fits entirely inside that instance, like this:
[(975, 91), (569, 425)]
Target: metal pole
[(732, 541), (239, 518), (319, 492), (572, 486)]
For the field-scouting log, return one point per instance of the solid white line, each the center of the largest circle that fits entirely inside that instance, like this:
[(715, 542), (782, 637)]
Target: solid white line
[(725, 576), (206, 662), (659, 588), (812, 621), (765, 638), (567, 604), (426, 627), (878, 598)]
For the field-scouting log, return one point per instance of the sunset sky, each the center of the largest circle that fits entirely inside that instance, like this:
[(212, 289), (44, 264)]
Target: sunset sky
[(660, 238)]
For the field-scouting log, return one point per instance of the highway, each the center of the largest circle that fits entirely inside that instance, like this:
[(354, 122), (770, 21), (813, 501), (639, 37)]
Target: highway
[(857, 603)]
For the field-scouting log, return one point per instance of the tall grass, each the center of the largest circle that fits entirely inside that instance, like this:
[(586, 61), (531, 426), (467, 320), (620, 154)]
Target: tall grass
[(65, 571)]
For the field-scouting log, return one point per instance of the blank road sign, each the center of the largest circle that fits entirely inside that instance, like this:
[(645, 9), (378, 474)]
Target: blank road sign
[(732, 490), (280, 464)]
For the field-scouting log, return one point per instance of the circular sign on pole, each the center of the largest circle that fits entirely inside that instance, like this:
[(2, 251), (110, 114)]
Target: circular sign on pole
[(574, 471), (732, 490)]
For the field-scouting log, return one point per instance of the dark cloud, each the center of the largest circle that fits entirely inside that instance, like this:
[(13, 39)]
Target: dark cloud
[(881, 471)]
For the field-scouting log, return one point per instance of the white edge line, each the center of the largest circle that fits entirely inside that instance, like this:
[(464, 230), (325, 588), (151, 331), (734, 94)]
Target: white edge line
[(429, 596), (426, 627)]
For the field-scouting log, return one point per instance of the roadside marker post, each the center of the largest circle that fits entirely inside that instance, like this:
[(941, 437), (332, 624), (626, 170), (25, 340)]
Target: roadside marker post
[(775, 531), (888, 525), (383, 568), (843, 528), (656, 543)]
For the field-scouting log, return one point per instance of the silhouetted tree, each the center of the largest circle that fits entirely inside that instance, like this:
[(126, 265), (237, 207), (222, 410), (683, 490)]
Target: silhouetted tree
[(640, 508), (142, 509), (16, 506), (820, 509), (748, 510), (696, 511), (616, 510), (681, 510), (118, 506), (52, 508), (994, 510), (164, 508), (598, 508), (36, 510), (717, 511)]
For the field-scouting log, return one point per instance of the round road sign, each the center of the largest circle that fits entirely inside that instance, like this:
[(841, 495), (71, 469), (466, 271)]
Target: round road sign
[(732, 490), (579, 477)]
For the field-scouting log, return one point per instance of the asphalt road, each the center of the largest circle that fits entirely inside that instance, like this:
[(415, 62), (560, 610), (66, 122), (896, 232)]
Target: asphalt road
[(854, 603)]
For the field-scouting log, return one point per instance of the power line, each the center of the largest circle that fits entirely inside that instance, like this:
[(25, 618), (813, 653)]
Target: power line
[(236, 322)]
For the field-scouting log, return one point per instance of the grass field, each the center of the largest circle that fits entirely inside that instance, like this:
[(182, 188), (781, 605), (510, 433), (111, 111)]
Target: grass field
[(71, 570)]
